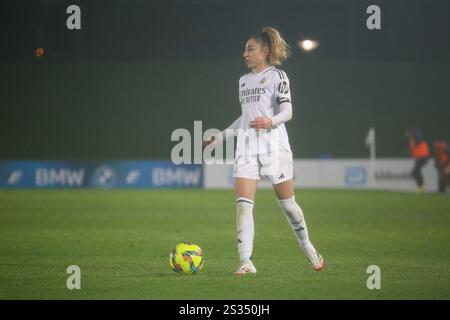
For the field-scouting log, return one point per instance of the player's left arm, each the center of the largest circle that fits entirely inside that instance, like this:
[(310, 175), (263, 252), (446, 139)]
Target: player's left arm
[(284, 115), (283, 99)]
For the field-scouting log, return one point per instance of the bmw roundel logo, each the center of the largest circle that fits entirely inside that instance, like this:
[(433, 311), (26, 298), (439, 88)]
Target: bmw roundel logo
[(104, 177)]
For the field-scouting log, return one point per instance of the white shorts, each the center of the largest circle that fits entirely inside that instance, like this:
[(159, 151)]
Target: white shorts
[(277, 166)]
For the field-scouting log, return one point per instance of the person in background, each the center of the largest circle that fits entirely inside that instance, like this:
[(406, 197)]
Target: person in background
[(421, 153), (442, 162)]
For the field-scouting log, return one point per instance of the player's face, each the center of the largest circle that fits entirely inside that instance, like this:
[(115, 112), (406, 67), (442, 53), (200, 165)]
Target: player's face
[(255, 55)]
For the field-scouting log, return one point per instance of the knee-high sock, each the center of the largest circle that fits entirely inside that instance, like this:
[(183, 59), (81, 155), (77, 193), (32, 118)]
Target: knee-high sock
[(294, 215), (245, 228)]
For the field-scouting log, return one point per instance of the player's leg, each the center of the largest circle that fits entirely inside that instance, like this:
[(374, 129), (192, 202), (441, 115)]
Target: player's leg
[(246, 177), (283, 185), (245, 194), (245, 188), (295, 217)]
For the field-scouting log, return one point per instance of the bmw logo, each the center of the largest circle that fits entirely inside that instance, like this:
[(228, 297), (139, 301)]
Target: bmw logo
[(104, 177)]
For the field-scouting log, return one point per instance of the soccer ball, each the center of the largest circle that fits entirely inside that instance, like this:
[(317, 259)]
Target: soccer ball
[(186, 258)]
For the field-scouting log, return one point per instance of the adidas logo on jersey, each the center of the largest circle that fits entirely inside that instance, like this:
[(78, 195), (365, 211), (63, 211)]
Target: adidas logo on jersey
[(281, 176)]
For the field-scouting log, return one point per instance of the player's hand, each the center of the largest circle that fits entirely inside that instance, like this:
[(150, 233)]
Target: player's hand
[(261, 123), (209, 141)]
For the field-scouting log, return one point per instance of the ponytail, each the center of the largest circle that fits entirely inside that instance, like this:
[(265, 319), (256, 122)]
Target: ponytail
[(279, 50)]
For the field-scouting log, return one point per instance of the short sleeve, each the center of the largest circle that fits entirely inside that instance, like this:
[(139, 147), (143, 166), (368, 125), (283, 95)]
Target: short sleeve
[(282, 89)]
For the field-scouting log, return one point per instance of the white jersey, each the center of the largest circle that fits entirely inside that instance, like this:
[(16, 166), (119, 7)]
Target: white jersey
[(260, 95)]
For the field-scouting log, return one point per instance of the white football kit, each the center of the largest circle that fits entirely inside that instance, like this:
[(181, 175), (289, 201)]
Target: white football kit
[(263, 152)]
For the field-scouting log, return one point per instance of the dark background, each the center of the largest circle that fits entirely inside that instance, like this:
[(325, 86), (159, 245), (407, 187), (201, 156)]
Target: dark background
[(138, 69)]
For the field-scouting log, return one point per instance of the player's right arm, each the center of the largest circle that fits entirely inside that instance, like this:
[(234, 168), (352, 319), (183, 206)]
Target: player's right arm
[(226, 134)]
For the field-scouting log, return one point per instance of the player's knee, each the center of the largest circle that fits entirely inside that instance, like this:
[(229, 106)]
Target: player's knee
[(244, 204), (292, 209)]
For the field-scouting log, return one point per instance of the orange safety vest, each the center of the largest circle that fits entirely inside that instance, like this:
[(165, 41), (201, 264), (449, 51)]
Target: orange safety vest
[(441, 153), (419, 150)]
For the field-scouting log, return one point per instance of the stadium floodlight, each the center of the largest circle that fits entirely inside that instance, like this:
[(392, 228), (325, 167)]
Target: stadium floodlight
[(308, 44)]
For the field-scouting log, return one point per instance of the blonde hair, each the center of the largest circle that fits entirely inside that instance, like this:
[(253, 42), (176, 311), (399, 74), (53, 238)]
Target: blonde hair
[(279, 50)]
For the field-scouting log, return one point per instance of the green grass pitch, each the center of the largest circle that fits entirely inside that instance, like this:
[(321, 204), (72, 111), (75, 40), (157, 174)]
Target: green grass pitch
[(121, 240)]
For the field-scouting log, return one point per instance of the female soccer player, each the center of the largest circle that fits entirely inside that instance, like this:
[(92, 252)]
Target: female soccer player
[(263, 147)]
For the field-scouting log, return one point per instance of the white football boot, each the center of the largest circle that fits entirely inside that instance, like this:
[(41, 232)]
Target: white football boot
[(314, 258), (246, 267)]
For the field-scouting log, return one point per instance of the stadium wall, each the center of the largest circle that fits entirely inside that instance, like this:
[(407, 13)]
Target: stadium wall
[(99, 174), (387, 174)]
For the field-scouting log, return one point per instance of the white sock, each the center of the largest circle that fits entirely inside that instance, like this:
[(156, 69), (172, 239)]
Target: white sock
[(294, 215), (245, 228)]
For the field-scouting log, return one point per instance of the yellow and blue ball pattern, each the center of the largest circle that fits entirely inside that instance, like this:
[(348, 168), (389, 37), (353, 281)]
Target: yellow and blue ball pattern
[(186, 258)]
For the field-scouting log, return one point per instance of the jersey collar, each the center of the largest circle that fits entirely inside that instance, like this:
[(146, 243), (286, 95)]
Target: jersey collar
[(263, 71)]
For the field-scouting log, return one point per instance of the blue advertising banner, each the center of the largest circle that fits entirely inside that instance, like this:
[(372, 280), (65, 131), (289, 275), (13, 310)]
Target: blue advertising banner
[(99, 174)]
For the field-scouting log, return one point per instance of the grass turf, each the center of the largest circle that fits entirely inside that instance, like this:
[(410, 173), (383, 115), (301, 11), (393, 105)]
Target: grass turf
[(121, 240)]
